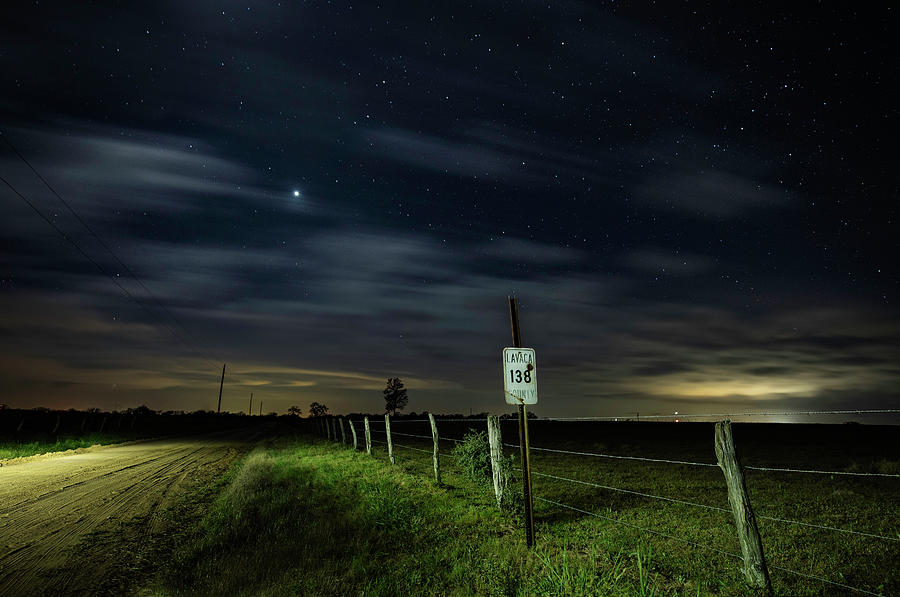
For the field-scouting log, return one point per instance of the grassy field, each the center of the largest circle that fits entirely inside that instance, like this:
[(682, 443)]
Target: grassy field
[(307, 516), (16, 449)]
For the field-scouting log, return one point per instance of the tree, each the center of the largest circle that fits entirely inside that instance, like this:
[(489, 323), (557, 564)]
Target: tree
[(317, 410), (295, 410), (394, 395)]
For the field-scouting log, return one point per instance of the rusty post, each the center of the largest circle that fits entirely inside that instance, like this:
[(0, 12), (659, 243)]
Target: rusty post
[(524, 451)]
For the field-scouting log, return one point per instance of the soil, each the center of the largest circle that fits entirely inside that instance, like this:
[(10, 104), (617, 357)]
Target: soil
[(90, 523)]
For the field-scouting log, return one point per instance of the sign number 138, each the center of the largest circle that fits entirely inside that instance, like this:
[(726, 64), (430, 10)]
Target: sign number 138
[(519, 376)]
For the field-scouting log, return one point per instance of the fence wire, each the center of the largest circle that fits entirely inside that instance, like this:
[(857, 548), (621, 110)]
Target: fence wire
[(396, 445), (631, 416), (640, 528), (647, 495), (812, 472), (701, 545), (675, 500), (410, 435), (728, 510), (827, 528), (599, 455), (706, 464), (825, 580)]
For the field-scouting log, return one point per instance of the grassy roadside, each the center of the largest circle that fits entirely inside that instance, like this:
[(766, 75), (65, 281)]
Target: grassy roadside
[(306, 517), (11, 449)]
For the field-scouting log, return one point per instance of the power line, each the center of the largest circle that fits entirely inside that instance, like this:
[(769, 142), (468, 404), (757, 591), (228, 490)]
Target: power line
[(103, 244), (96, 264)]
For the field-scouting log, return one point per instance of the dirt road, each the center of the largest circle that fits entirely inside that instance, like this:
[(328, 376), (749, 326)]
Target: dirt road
[(53, 512)]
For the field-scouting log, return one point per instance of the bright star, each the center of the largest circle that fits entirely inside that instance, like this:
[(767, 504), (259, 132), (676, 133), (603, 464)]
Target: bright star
[(296, 193)]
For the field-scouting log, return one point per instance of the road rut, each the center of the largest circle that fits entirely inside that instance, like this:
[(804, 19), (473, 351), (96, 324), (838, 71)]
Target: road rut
[(49, 507)]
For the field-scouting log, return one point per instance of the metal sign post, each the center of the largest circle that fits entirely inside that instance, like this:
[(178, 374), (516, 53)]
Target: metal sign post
[(512, 391)]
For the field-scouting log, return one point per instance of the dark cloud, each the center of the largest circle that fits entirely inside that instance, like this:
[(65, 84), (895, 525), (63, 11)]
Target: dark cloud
[(684, 202)]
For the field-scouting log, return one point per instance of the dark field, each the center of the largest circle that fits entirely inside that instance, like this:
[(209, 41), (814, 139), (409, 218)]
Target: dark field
[(691, 556)]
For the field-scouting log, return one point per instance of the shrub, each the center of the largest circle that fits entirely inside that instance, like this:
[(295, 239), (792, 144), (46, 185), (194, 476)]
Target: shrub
[(473, 456)]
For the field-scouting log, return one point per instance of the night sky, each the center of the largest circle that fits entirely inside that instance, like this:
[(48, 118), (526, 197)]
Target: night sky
[(695, 206)]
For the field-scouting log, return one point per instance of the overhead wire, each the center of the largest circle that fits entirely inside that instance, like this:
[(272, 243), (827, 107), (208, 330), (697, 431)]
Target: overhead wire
[(203, 353)]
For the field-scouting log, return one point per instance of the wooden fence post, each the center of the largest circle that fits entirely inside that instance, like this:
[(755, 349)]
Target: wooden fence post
[(387, 432), (368, 436), (353, 433), (102, 424), (21, 425), (327, 428), (343, 433), (434, 437), (56, 426), (495, 440), (755, 570)]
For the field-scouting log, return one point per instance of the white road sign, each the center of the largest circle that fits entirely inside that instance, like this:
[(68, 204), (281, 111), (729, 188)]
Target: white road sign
[(519, 376)]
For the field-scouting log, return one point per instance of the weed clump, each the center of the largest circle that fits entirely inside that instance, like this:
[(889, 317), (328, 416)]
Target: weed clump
[(473, 456)]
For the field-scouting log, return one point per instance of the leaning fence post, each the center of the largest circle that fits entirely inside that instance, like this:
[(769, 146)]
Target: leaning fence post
[(434, 436), (755, 570), (343, 434), (56, 426), (353, 433), (368, 436), (328, 428), (495, 440), (387, 432)]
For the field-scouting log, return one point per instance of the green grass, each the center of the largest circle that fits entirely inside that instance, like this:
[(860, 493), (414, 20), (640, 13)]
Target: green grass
[(9, 449), (308, 517)]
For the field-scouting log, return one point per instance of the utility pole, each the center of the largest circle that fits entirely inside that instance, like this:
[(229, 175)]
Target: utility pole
[(221, 383), (250, 410), (260, 408), (524, 450)]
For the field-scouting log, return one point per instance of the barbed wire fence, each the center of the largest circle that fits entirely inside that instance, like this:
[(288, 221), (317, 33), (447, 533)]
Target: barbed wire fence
[(388, 434)]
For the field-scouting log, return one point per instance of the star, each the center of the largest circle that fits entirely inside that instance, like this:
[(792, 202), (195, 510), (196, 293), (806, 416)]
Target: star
[(296, 193)]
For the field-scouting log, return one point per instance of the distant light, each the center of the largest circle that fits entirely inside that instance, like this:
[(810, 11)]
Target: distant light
[(296, 193), (676, 420)]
